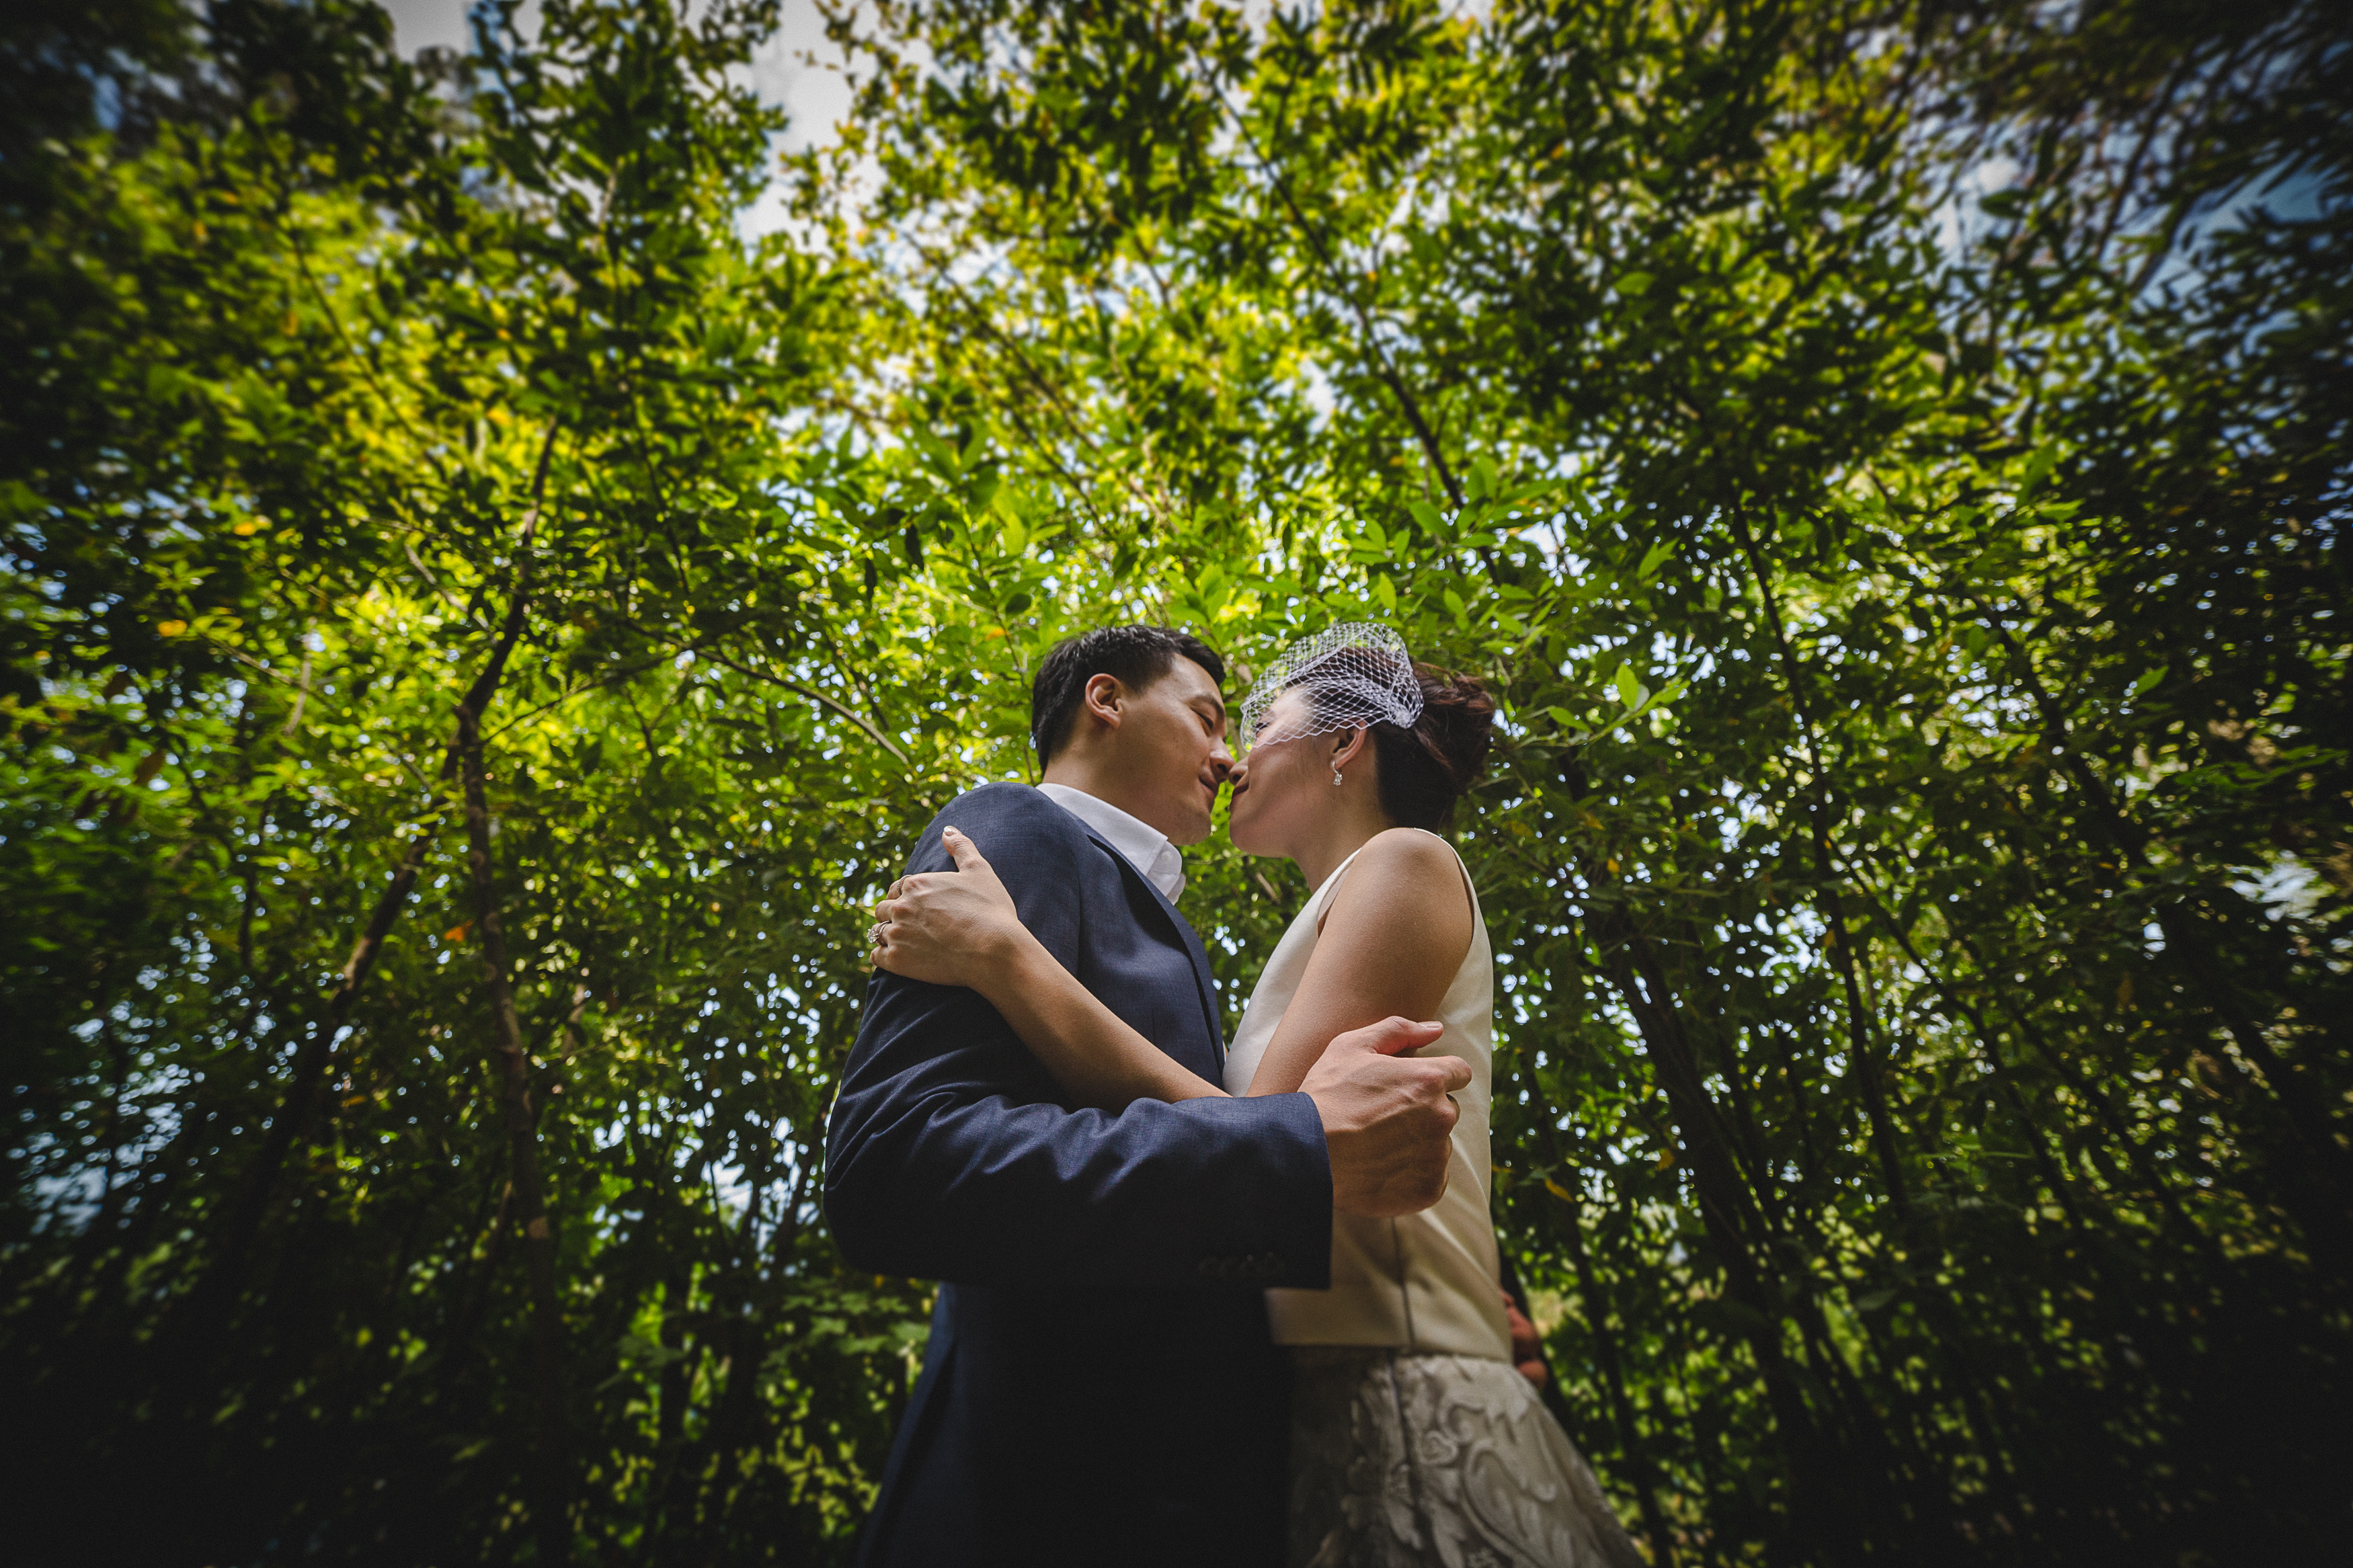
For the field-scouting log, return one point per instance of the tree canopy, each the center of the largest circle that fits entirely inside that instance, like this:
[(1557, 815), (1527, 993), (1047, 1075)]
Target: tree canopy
[(501, 560)]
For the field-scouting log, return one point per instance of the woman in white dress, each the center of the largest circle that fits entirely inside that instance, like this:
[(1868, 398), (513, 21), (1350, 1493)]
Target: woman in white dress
[(1414, 1439)]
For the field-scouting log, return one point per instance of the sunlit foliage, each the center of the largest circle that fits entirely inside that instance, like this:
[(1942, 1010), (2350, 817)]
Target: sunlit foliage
[(484, 617)]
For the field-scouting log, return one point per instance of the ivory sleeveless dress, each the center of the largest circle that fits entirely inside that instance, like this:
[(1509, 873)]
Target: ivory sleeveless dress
[(1414, 1440)]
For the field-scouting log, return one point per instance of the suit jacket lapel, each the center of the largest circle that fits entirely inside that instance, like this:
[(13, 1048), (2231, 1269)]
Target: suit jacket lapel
[(1195, 953)]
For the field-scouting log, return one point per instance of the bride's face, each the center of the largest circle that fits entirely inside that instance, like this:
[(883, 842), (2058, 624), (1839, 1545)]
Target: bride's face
[(1274, 792)]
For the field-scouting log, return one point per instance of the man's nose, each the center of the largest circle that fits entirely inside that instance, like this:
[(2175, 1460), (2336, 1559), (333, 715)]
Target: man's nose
[(1222, 761)]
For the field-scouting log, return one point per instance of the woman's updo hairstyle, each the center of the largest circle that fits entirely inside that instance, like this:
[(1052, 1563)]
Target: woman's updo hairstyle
[(1424, 769), (1431, 729)]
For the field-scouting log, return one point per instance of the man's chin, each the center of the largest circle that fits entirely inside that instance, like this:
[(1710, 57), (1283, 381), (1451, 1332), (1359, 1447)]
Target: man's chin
[(1195, 829)]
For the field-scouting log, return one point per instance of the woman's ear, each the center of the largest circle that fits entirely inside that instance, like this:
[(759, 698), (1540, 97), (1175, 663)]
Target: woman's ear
[(1348, 745)]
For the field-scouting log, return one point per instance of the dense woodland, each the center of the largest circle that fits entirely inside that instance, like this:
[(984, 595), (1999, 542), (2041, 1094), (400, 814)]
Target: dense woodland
[(502, 557)]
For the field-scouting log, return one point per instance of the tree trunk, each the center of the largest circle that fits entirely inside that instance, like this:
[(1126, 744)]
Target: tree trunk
[(1834, 1493), (217, 1294), (548, 1481), (1861, 1039), (192, 1335), (1613, 1377)]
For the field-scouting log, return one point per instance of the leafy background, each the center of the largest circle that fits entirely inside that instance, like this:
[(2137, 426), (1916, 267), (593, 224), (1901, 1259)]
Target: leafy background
[(504, 550)]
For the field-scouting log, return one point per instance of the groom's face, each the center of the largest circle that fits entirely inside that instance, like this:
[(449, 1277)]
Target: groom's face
[(1169, 752)]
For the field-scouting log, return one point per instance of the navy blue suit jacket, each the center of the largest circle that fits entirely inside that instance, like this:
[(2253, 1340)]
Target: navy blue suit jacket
[(1099, 1387)]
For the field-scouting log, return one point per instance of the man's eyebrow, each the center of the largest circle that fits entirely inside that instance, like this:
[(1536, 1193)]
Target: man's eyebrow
[(1215, 702)]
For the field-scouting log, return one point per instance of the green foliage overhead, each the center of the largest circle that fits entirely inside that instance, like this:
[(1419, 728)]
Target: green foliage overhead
[(501, 562)]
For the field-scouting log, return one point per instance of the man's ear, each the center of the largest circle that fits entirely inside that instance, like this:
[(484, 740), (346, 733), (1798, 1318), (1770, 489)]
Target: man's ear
[(1103, 700)]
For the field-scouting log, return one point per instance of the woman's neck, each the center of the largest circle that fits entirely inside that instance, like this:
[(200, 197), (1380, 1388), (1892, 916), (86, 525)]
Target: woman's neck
[(1336, 834)]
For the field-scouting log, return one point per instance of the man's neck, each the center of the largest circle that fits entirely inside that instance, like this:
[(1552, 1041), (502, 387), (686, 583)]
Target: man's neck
[(1081, 774)]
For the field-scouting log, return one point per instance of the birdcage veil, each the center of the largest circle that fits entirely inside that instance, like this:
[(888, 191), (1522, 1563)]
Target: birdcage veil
[(1351, 675)]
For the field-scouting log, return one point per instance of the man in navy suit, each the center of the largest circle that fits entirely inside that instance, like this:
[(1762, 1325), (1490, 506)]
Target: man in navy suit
[(1099, 1385)]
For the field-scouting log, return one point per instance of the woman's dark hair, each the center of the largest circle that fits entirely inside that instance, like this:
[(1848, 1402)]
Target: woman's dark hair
[(1137, 656), (1423, 770)]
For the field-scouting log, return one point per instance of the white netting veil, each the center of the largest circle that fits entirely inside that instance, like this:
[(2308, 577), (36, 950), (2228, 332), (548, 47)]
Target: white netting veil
[(1347, 675)]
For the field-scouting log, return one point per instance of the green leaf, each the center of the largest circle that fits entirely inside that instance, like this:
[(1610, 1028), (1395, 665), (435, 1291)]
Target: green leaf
[(1732, 1320)]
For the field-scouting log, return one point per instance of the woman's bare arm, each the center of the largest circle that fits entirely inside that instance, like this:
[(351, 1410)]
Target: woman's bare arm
[(1091, 1050), (960, 928), (1397, 930)]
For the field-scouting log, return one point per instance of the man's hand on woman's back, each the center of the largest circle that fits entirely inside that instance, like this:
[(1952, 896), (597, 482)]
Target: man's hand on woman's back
[(1386, 1117)]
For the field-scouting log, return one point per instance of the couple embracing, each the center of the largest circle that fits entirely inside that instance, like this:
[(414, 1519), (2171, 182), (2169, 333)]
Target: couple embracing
[(1203, 1302)]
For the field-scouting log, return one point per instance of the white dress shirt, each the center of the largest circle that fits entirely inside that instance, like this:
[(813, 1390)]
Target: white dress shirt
[(1147, 847)]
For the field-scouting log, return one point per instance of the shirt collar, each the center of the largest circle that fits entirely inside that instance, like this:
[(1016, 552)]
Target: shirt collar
[(1147, 847)]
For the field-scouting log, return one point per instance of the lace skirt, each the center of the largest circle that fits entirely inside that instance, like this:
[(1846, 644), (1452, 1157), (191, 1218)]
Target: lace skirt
[(1401, 1459)]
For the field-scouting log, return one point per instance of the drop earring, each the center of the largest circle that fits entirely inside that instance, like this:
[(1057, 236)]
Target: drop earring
[(1335, 775)]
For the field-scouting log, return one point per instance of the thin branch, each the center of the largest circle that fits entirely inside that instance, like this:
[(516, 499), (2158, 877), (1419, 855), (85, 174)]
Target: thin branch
[(1382, 366), (874, 734), (597, 685)]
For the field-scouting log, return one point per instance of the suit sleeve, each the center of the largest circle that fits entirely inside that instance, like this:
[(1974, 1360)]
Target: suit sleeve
[(948, 1157)]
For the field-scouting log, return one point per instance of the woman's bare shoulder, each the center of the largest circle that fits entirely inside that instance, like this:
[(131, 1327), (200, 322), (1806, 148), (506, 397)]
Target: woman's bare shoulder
[(1411, 855), (1404, 867)]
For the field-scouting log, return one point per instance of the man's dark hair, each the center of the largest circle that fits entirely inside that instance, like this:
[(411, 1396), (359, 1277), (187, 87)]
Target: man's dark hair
[(1135, 656)]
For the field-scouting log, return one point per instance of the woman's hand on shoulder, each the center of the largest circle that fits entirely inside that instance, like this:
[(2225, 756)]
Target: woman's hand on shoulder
[(949, 927)]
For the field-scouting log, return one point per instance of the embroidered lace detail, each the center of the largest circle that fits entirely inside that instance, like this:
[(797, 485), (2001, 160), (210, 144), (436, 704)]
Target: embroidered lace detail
[(1403, 1460)]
